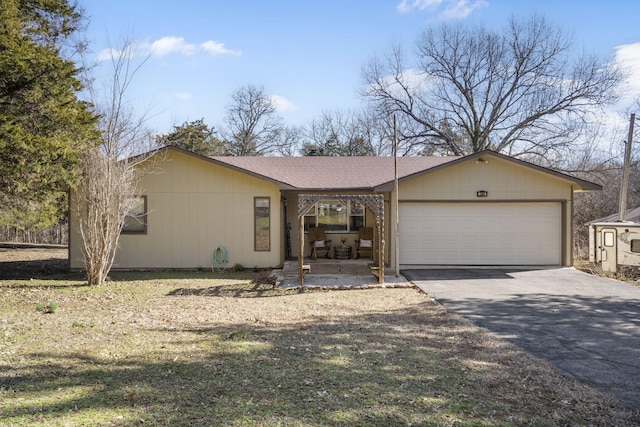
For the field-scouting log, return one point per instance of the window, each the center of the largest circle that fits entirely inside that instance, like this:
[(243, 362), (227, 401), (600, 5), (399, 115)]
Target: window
[(356, 215), (262, 223), (609, 238), (635, 245), (335, 216), (136, 220)]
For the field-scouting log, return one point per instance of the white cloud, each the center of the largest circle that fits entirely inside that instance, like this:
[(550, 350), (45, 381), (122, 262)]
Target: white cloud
[(409, 81), (461, 9), (182, 96), (107, 54), (217, 48), (449, 9), (412, 80), (111, 53), (282, 104), (628, 56), (406, 6), (169, 45)]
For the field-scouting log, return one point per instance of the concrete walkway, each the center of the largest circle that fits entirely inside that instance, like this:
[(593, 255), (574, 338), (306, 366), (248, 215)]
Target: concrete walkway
[(583, 325), (337, 274)]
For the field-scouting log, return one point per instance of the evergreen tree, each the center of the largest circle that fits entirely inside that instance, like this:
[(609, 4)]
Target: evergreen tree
[(43, 124), (194, 136)]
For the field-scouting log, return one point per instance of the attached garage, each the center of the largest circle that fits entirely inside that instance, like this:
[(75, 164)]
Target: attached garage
[(510, 233)]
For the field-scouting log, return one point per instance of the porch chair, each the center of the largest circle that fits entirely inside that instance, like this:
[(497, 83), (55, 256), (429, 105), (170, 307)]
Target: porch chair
[(319, 242), (364, 243)]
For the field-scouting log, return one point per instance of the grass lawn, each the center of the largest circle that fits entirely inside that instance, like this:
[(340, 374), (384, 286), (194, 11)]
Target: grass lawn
[(226, 349)]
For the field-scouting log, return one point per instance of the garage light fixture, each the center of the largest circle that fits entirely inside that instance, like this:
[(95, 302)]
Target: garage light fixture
[(481, 160), (482, 193)]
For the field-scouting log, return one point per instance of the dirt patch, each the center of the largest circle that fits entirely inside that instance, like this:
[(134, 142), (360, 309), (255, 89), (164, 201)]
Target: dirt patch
[(626, 273)]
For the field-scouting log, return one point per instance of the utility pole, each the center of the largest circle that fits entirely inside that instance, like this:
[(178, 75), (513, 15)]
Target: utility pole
[(622, 211), (396, 255)]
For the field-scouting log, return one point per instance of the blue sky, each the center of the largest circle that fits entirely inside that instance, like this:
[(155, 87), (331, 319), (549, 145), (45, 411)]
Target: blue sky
[(308, 54)]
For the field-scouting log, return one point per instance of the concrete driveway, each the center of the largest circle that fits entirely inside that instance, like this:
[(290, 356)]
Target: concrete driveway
[(583, 325)]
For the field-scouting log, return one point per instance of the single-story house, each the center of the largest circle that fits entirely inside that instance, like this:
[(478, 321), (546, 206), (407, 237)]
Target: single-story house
[(481, 209)]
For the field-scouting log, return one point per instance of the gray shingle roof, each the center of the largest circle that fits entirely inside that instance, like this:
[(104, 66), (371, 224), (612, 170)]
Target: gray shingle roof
[(328, 173)]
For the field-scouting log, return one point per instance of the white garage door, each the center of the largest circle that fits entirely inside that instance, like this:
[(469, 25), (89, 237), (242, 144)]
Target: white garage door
[(480, 233)]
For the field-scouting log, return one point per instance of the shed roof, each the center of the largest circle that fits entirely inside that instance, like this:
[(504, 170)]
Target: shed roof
[(631, 215)]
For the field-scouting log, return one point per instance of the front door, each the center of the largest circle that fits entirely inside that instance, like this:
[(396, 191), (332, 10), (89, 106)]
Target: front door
[(608, 247)]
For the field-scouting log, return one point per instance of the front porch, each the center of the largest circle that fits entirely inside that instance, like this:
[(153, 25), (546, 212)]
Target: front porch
[(374, 203), (337, 274)]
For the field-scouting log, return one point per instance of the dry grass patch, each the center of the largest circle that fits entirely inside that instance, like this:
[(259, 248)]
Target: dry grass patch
[(197, 348)]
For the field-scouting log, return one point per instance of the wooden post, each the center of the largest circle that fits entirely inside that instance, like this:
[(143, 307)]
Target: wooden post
[(300, 249), (380, 251)]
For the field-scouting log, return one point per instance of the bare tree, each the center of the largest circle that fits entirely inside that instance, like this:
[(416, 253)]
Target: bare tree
[(520, 91), (252, 127), (350, 132), (603, 164), (110, 175), (104, 198), (289, 140)]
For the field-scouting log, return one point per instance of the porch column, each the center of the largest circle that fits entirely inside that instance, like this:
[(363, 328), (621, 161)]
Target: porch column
[(300, 249), (381, 251), (305, 202)]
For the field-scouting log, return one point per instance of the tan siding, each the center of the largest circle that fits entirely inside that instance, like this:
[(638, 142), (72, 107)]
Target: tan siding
[(195, 206), (502, 179)]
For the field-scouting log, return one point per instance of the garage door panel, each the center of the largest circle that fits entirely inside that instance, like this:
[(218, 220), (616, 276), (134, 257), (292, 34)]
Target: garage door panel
[(480, 233)]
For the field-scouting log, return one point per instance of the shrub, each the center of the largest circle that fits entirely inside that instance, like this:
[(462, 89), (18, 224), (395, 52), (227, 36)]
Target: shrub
[(50, 307)]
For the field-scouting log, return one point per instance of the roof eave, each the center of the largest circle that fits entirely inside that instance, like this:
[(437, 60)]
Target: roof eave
[(614, 223), (584, 185), (334, 189), (281, 185), (388, 186)]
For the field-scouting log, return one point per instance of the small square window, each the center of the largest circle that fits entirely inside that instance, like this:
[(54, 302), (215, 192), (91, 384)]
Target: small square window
[(635, 245), (135, 221)]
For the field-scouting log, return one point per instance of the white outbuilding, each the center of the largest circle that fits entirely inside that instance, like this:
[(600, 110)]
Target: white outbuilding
[(613, 242)]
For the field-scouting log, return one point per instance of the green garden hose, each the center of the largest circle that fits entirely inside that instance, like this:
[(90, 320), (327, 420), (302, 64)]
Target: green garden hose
[(219, 258)]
